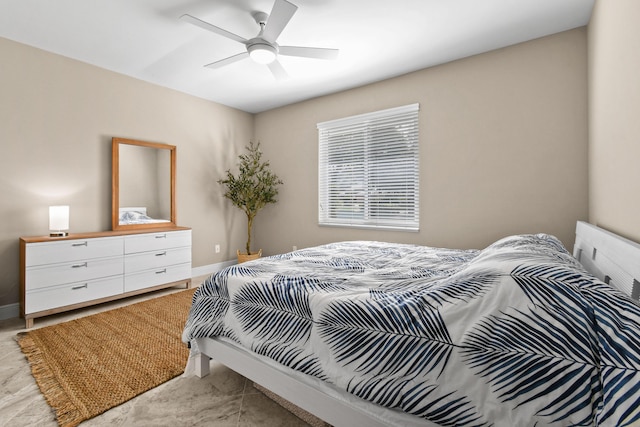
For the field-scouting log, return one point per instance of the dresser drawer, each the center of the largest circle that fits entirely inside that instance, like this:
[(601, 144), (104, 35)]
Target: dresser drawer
[(156, 241), (160, 258), (72, 250), (71, 272), (156, 276), (73, 293)]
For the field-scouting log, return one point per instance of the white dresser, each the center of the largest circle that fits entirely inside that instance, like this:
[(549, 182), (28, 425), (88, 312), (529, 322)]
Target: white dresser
[(61, 274)]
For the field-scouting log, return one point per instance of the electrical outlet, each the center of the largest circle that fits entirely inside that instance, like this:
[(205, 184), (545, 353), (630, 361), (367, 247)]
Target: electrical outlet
[(217, 249), (295, 248)]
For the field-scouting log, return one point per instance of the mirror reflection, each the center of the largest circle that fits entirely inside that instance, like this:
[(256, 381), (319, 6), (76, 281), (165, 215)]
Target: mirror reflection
[(143, 184)]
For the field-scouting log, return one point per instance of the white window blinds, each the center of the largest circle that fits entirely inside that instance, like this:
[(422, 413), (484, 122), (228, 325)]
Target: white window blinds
[(368, 170)]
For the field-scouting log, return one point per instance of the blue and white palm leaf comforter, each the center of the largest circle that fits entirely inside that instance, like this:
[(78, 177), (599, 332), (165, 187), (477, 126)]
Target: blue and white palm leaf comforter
[(517, 334)]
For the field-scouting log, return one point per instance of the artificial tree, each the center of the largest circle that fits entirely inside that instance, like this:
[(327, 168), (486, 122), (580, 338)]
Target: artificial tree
[(254, 187)]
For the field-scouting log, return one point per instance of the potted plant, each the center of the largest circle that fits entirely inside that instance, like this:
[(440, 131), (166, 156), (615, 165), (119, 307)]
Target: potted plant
[(254, 187)]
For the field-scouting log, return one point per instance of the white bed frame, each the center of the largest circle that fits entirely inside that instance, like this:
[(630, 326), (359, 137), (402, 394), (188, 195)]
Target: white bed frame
[(609, 257), (310, 394)]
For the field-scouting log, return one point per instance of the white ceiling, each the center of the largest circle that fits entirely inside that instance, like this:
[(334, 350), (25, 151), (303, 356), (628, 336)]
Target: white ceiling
[(378, 39)]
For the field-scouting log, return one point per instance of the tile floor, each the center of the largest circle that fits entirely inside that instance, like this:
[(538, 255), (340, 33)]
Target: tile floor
[(223, 398)]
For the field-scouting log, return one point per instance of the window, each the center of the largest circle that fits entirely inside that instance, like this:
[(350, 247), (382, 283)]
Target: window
[(368, 170)]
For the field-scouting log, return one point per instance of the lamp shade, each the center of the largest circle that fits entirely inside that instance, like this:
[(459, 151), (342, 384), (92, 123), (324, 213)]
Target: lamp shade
[(58, 220)]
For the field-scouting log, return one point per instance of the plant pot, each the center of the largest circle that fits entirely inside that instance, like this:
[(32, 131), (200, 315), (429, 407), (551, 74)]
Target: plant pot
[(244, 257)]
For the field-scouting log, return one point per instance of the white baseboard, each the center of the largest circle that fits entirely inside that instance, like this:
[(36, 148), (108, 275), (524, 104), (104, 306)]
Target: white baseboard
[(211, 268), (10, 311)]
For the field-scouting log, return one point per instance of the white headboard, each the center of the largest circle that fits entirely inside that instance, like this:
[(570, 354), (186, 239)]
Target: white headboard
[(609, 257)]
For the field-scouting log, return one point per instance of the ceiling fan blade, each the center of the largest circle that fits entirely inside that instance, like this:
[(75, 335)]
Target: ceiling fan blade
[(210, 27), (308, 52), (278, 19), (227, 61), (278, 70)]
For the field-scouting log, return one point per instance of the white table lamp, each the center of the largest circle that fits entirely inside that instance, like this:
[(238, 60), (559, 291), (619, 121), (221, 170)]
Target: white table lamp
[(58, 221)]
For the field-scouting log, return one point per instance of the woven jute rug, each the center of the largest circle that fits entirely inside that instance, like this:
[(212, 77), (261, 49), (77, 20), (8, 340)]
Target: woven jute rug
[(86, 366)]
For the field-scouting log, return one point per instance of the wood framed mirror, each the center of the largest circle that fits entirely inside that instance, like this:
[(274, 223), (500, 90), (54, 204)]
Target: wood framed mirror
[(143, 184)]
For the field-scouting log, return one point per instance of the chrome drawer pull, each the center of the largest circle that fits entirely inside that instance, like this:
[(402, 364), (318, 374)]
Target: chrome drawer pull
[(75, 288), (162, 253), (161, 271), (84, 264), (163, 236), (79, 244)]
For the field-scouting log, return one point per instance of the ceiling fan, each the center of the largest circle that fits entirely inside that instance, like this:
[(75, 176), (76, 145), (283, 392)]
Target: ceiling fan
[(263, 48)]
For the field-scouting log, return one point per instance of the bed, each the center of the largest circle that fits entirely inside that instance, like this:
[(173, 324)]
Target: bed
[(371, 334)]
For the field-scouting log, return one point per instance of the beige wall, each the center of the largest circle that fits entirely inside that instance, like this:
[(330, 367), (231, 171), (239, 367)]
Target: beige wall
[(503, 148), (614, 117), (57, 118), (503, 145)]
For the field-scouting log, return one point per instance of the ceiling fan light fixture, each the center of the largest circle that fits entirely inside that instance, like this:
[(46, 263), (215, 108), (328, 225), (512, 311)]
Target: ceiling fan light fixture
[(262, 53), (263, 48)]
